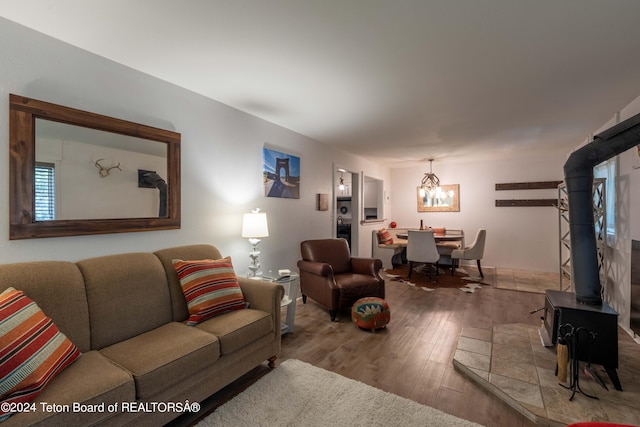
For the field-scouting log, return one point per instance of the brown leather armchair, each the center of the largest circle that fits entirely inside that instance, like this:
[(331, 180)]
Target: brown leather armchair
[(333, 278)]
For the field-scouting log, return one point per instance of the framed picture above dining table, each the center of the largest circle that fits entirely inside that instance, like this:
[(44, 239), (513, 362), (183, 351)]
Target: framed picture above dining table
[(445, 198)]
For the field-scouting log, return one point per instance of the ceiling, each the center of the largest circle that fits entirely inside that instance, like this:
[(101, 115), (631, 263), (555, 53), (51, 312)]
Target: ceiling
[(394, 81)]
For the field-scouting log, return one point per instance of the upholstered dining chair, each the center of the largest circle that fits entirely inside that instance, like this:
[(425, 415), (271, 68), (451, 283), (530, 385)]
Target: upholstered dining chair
[(422, 249), (475, 251), (446, 247), (335, 279)]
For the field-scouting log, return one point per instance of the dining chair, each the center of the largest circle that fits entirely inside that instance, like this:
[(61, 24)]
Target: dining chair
[(475, 251), (421, 249), (446, 247)]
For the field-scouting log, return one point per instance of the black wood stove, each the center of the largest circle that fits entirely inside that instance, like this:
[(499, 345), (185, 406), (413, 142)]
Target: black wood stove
[(561, 308)]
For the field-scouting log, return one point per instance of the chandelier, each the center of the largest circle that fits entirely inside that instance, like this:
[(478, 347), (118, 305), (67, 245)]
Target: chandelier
[(430, 182)]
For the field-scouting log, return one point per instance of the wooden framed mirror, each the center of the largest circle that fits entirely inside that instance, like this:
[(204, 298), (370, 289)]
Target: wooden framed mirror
[(446, 198), (74, 172)]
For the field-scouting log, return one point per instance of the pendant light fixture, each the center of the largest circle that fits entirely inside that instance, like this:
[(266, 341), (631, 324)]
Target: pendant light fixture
[(430, 182), (341, 184)]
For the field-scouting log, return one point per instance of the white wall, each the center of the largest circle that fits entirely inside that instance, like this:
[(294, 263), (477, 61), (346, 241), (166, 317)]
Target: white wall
[(221, 156), (517, 237), (627, 212), (222, 170)]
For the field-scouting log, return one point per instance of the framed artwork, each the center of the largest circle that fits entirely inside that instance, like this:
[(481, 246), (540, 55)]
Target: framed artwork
[(281, 174), (322, 202), (445, 198)]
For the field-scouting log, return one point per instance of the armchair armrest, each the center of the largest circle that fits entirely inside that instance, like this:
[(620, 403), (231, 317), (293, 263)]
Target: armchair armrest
[(317, 268), (370, 266)]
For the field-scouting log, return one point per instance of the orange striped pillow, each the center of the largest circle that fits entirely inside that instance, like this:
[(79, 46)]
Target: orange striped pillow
[(384, 237), (210, 288), (32, 350)]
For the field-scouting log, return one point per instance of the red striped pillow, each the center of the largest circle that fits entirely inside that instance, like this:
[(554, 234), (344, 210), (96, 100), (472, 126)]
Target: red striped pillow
[(32, 349), (210, 288), (384, 237)]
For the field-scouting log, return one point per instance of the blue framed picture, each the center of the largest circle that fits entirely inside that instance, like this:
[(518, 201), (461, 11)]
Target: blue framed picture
[(281, 174)]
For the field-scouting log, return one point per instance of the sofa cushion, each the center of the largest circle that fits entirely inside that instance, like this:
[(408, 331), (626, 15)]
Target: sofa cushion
[(445, 248), (127, 295), (58, 289), (32, 349), (92, 380), (160, 358), (210, 288), (238, 328)]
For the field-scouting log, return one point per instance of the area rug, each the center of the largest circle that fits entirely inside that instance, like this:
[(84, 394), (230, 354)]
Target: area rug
[(299, 394), (420, 278)]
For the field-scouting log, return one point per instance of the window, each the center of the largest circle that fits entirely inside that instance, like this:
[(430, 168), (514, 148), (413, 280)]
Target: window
[(607, 169), (45, 195)]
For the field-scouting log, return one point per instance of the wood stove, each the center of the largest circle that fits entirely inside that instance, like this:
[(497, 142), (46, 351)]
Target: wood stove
[(561, 308)]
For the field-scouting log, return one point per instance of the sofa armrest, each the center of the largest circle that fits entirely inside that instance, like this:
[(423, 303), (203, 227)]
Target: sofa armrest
[(370, 266), (262, 295)]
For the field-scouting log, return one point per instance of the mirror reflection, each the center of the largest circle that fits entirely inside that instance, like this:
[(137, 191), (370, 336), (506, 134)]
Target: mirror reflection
[(445, 198), (84, 173)]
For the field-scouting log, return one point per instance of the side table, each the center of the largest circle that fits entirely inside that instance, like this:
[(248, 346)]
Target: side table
[(291, 284)]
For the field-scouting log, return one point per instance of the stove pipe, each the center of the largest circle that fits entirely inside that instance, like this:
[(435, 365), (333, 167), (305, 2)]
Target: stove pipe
[(578, 175), (156, 180)]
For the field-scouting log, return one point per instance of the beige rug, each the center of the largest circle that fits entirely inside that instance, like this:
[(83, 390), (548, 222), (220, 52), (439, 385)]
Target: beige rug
[(299, 394)]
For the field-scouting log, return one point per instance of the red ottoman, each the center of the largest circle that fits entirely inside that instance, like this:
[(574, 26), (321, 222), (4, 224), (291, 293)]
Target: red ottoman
[(370, 313)]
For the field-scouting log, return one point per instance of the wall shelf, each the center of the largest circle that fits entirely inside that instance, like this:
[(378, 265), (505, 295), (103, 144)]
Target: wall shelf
[(537, 185), (526, 202)]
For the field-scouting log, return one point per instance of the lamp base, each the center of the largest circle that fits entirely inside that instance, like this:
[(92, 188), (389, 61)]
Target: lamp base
[(254, 267)]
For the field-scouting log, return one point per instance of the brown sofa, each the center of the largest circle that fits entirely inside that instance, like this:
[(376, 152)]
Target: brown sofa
[(126, 313)]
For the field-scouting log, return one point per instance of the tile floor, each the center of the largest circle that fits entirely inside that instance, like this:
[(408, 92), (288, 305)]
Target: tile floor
[(527, 281), (511, 362)]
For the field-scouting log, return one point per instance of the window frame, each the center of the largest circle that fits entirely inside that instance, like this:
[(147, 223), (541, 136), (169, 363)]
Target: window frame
[(44, 194), (608, 170)]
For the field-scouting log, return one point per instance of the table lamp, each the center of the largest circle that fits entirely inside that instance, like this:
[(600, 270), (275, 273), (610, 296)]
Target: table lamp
[(254, 226)]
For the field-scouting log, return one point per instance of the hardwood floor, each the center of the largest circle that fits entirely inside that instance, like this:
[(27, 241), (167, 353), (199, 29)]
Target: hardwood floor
[(412, 357)]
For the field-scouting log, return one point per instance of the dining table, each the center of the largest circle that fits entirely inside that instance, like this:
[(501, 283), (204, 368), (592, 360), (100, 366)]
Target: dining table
[(403, 238)]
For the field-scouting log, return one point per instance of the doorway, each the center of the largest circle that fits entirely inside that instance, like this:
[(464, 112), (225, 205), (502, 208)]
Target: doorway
[(345, 217)]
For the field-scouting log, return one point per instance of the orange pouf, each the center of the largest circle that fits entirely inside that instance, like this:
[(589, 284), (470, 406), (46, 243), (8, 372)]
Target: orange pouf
[(370, 313)]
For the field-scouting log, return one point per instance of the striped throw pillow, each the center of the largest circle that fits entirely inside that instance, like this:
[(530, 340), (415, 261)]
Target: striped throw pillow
[(32, 350), (210, 288), (384, 237)]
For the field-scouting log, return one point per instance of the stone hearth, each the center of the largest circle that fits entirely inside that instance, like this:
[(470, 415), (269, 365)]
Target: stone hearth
[(511, 362)]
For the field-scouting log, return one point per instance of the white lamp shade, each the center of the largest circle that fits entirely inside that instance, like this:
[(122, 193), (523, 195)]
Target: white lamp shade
[(255, 225)]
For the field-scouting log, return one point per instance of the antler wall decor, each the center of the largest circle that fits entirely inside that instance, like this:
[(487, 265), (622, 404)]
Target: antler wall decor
[(106, 171)]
